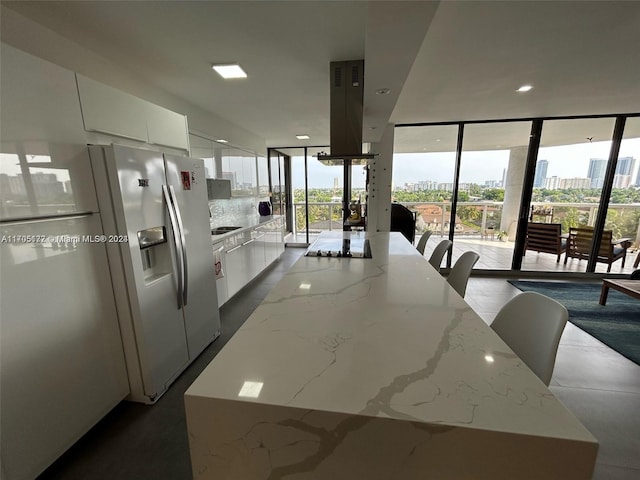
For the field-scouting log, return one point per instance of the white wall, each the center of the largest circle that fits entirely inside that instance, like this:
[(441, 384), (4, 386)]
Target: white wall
[(31, 37)]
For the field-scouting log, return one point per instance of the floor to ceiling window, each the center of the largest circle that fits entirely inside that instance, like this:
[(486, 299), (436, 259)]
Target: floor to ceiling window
[(491, 178), (496, 172), (423, 168), (316, 192), (570, 171), (276, 184), (623, 212)]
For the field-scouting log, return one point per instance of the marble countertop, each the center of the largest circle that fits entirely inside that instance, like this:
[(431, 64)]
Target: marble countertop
[(383, 337)]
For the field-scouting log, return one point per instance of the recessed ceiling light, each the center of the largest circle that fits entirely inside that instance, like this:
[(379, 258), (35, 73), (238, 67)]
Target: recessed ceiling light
[(230, 71), (524, 88), (302, 137), (222, 140), (382, 91)]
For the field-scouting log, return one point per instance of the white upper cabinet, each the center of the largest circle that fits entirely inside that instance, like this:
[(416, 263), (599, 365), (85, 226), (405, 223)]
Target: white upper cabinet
[(166, 127), (111, 111)]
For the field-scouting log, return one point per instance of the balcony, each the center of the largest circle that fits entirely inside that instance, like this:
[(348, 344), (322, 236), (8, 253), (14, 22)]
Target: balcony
[(477, 228)]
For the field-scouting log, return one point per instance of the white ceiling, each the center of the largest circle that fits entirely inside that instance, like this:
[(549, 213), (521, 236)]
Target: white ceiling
[(442, 61)]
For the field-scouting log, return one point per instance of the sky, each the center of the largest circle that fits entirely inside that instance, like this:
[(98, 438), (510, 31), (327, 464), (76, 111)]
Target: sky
[(567, 161)]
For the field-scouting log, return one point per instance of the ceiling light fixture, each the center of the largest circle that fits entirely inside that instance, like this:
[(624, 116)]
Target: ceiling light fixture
[(222, 140), (383, 91), (230, 70), (524, 88), (303, 137)]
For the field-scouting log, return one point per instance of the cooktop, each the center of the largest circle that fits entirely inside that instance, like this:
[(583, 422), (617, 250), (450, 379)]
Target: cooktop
[(340, 247)]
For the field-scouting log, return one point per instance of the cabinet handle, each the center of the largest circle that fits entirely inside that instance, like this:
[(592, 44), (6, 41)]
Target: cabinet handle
[(260, 236), (248, 242), (234, 249)]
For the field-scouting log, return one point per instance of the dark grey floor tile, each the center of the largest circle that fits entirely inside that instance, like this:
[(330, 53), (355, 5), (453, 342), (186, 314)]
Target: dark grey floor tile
[(598, 368), (610, 472), (612, 417)]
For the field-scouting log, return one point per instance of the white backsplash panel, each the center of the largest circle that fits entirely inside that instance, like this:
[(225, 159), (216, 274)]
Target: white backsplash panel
[(233, 211)]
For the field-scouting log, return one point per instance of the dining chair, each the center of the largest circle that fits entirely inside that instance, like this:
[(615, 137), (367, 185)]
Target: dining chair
[(436, 256), (459, 274), (422, 243), (531, 324)]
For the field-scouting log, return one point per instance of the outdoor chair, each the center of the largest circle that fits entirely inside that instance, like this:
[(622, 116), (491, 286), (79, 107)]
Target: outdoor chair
[(403, 220), (531, 324), (459, 274), (579, 246), (422, 243), (545, 238), (436, 256)]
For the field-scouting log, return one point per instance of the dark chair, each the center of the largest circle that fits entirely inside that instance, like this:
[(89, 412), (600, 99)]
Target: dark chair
[(579, 246), (403, 220), (635, 275), (546, 238)]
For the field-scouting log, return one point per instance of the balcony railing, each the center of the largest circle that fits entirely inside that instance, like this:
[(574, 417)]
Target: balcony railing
[(481, 219)]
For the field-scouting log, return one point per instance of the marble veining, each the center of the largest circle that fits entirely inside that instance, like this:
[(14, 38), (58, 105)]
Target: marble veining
[(371, 368)]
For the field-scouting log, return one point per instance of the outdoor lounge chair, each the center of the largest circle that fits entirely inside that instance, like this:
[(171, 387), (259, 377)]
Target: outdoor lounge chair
[(546, 238), (579, 246)]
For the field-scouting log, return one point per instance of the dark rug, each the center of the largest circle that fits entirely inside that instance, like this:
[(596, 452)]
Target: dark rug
[(617, 324)]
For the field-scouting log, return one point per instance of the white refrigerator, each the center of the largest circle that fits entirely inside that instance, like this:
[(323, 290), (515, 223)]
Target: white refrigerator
[(156, 219)]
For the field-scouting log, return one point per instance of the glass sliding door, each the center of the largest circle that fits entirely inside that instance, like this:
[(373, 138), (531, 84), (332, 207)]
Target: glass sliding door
[(623, 212), (317, 194), (570, 173), (276, 182), (423, 167), (490, 186)]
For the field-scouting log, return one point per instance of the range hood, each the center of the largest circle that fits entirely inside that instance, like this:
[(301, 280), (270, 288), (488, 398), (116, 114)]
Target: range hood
[(346, 114)]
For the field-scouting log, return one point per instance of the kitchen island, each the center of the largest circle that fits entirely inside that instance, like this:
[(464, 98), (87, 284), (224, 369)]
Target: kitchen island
[(375, 368)]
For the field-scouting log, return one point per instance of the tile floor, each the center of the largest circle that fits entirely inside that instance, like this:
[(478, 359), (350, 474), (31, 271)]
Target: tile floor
[(137, 441)]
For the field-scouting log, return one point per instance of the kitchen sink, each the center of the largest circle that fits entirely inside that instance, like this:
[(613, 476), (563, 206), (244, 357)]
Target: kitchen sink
[(223, 230)]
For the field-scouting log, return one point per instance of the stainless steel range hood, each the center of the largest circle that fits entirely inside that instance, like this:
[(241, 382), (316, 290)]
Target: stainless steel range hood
[(346, 114)]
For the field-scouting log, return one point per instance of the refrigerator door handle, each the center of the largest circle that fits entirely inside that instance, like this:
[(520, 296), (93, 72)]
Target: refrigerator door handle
[(176, 241), (183, 243)]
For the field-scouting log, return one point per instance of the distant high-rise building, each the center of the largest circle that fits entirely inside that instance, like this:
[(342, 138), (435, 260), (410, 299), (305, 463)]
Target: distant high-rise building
[(597, 169), (541, 173), (638, 179), (577, 183), (336, 182), (625, 166), (621, 181)]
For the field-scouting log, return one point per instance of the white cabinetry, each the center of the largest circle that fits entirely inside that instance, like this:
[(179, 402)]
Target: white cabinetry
[(63, 365), (219, 255), (258, 264), (108, 110), (247, 254), (237, 258), (165, 127)]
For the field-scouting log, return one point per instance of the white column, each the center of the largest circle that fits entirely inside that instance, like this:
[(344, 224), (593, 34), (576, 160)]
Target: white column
[(513, 190), (380, 172)]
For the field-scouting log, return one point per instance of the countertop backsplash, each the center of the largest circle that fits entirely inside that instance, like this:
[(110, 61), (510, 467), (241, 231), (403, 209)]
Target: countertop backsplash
[(233, 211)]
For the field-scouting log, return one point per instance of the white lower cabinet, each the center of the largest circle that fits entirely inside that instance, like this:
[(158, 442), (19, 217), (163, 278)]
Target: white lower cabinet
[(259, 258), (245, 255), (237, 263)]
